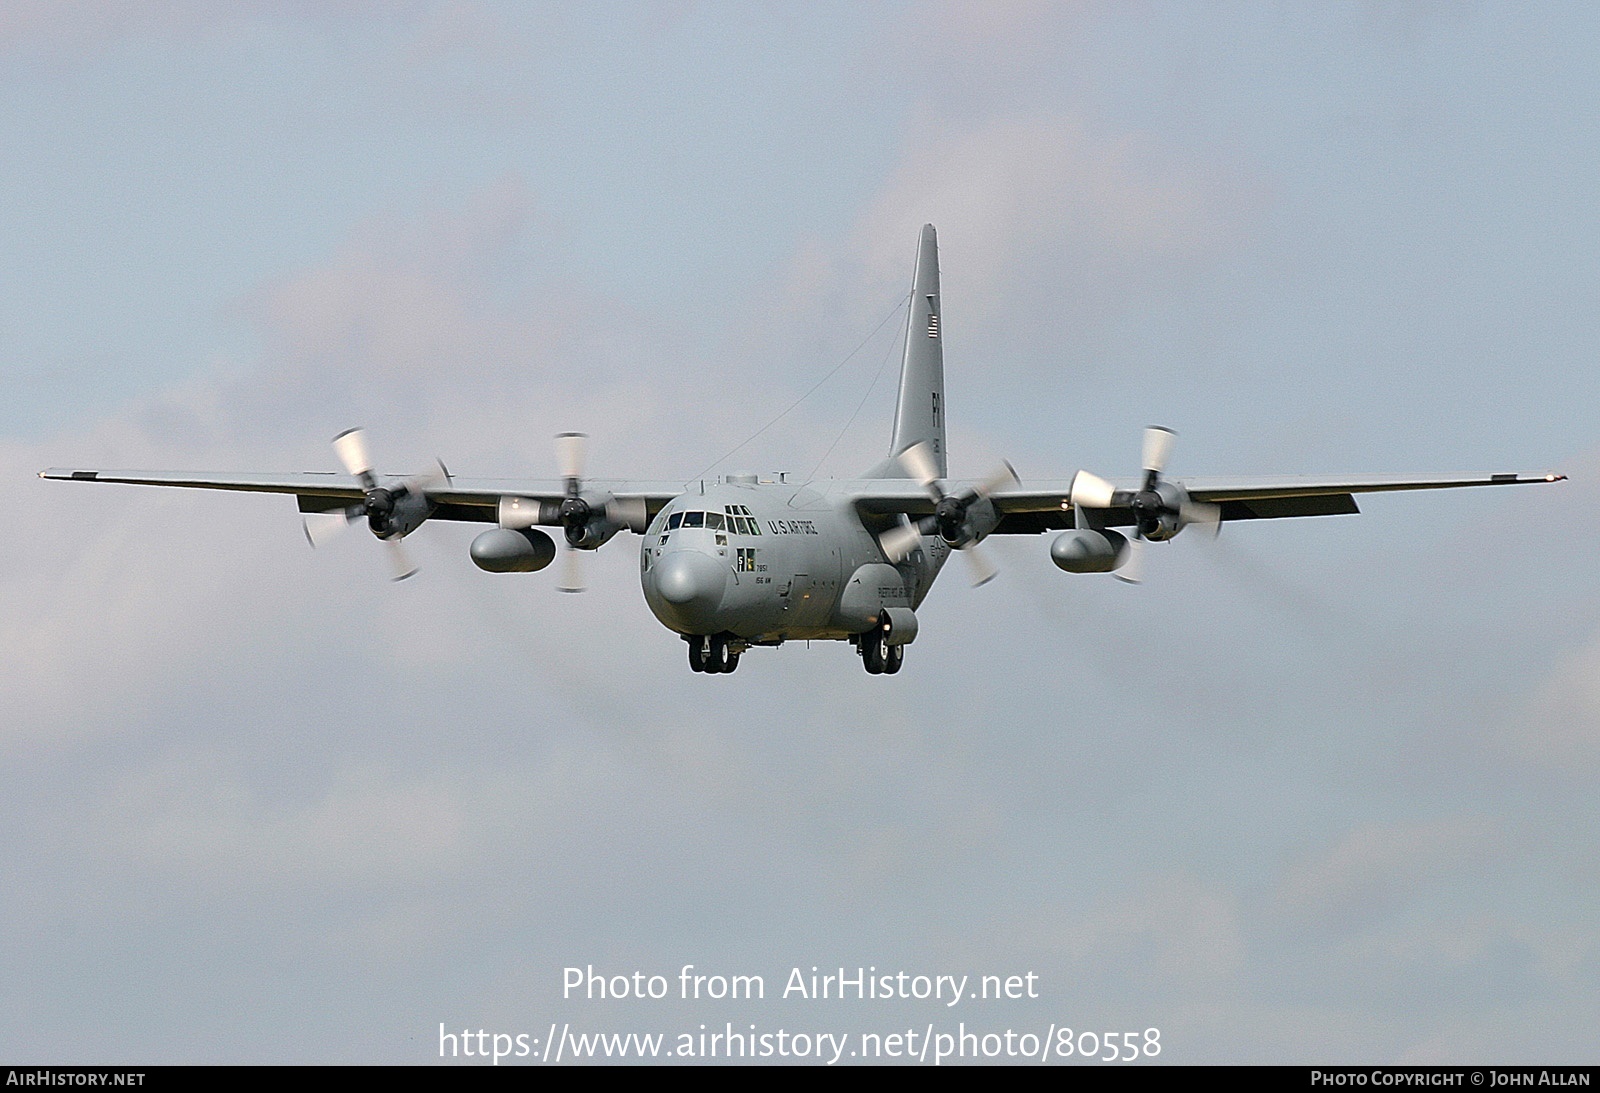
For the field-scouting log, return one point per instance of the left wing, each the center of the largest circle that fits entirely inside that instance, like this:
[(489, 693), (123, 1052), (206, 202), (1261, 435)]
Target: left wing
[(1047, 506)]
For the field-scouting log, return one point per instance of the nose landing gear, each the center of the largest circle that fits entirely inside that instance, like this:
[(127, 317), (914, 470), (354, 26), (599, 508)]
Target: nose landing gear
[(713, 654)]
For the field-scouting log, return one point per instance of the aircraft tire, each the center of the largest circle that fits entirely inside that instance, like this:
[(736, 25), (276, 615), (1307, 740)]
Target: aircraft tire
[(892, 662), (872, 652), (717, 659), (733, 662), (697, 654)]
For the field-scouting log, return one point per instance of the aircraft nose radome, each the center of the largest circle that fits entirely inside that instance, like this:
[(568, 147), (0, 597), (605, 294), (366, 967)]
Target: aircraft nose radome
[(692, 583)]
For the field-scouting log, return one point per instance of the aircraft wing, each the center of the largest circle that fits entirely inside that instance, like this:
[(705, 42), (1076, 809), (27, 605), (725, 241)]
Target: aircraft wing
[(472, 499), (1044, 506)]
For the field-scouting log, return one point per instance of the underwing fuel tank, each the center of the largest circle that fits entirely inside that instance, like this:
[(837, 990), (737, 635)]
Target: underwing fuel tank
[(513, 550), (1085, 551)]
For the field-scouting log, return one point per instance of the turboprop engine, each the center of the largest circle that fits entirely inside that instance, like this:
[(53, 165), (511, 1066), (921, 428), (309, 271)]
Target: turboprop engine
[(392, 512), (1160, 510)]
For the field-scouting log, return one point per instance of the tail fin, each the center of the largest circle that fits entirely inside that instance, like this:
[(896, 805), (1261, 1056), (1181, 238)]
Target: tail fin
[(919, 413)]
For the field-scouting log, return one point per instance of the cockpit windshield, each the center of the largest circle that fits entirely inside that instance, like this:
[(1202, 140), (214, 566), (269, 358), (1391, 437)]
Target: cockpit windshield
[(733, 518)]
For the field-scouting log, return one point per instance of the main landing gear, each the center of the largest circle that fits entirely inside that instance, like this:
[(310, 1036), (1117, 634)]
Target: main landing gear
[(877, 655), (713, 654)]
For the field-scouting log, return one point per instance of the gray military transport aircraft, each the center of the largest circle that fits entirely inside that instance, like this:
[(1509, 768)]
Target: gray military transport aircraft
[(743, 560)]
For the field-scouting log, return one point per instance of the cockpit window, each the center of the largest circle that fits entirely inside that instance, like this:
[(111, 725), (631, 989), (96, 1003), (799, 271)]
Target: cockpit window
[(736, 519)]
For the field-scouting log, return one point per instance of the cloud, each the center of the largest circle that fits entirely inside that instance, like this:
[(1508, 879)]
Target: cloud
[(1170, 930), (1559, 729), (212, 828), (1378, 868), (70, 26), (414, 328), (1042, 208), (1049, 228)]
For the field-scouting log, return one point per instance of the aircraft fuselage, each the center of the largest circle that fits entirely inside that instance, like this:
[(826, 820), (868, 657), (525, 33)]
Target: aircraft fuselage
[(767, 562)]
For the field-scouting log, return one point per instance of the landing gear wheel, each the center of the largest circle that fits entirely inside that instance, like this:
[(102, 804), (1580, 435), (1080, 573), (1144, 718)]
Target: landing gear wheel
[(892, 662), (697, 654), (873, 651), (733, 662), (717, 659)]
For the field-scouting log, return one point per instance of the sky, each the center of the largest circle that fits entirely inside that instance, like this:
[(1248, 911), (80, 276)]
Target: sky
[(1318, 791)]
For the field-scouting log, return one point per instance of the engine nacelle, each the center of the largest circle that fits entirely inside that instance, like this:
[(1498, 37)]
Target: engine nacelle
[(508, 550), (593, 535), (1086, 551), (525, 512)]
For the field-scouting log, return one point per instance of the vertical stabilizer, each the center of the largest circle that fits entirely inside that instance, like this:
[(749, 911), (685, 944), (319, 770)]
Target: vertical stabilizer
[(919, 413)]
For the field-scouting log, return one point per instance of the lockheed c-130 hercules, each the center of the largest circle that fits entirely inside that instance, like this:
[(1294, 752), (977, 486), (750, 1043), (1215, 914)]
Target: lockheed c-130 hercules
[(744, 561)]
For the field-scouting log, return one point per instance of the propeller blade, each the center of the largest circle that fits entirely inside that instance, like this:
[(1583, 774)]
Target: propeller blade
[(571, 448), (432, 482), (1091, 491), (1157, 448), (324, 527), (399, 560), (899, 542), (1203, 515), (351, 448), (918, 462), (1002, 477), (1132, 570), (571, 571), (982, 569)]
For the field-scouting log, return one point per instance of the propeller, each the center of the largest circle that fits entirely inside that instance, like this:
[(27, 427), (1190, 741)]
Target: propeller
[(588, 518), (572, 450), (1160, 508), (951, 516), (391, 512)]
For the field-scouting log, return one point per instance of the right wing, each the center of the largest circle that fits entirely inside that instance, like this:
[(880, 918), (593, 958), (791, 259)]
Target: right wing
[(471, 499)]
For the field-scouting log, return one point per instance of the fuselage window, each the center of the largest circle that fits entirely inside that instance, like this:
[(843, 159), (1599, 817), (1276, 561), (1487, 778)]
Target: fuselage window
[(694, 519), (714, 521), (674, 520)]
